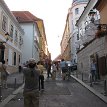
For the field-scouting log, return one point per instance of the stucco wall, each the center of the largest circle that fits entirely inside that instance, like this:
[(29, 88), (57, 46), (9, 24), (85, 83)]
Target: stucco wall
[(98, 46), (103, 19)]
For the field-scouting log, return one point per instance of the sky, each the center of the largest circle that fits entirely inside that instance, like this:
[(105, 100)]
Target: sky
[(52, 12)]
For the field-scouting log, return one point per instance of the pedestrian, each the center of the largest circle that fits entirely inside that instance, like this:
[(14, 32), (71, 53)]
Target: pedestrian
[(41, 77), (93, 70), (4, 74), (20, 67), (54, 70), (49, 68), (31, 88), (63, 67)]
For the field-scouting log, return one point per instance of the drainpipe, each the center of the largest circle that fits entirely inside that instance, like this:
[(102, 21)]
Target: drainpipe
[(33, 40), (98, 75)]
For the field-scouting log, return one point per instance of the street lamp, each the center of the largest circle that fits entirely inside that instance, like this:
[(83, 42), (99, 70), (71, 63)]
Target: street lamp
[(7, 36), (2, 48)]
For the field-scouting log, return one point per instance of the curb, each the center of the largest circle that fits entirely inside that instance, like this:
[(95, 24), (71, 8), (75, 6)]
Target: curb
[(91, 89), (11, 96)]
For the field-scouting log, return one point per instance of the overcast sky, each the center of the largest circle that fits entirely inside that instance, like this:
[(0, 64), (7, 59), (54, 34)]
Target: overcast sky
[(53, 13)]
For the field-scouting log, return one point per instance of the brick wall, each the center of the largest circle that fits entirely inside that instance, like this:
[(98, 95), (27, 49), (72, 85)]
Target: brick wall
[(98, 46)]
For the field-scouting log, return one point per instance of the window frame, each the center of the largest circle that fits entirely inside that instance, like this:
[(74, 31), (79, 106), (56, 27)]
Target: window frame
[(16, 36), (14, 63), (76, 11), (11, 31), (4, 22)]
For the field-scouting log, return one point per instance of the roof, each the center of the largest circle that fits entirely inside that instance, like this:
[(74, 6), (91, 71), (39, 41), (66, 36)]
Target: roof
[(25, 16), (79, 1)]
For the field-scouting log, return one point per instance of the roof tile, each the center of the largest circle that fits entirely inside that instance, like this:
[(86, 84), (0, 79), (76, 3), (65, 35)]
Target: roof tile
[(25, 16)]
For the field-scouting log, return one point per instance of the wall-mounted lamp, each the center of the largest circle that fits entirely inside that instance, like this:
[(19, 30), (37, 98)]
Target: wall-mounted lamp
[(7, 36)]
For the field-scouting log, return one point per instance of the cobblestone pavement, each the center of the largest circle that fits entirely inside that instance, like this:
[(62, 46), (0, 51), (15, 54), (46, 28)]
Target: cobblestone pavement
[(59, 93), (13, 82), (99, 85)]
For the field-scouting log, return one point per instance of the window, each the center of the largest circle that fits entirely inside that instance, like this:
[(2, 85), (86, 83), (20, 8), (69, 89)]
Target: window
[(77, 36), (16, 36), (11, 31), (19, 59), (4, 23), (77, 11), (20, 40), (14, 58)]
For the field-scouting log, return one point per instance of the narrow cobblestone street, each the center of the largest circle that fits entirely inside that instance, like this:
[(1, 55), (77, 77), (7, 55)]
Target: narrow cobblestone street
[(59, 93)]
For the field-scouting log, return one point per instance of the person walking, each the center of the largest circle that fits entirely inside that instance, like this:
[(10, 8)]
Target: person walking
[(48, 67), (93, 70), (20, 68), (63, 67), (4, 74), (41, 77), (54, 70), (31, 87)]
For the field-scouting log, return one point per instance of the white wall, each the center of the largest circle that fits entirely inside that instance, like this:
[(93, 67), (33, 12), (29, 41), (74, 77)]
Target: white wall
[(29, 48), (74, 30), (27, 42), (10, 57)]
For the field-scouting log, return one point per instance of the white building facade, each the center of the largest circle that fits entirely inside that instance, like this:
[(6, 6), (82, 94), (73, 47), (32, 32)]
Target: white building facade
[(12, 53), (75, 11), (28, 23), (30, 47)]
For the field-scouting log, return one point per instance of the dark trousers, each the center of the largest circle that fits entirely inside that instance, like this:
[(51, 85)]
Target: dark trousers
[(49, 72), (93, 72), (31, 99), (41, 82)]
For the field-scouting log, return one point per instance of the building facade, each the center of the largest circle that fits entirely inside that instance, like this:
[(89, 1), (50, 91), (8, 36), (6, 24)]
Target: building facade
[(93, 43), (70, 35), (42, 41), (30, 47), (75, 11), (64, 42), (12, 52)]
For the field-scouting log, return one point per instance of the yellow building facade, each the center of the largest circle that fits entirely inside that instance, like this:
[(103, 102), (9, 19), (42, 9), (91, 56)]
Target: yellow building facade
[(42, 41)]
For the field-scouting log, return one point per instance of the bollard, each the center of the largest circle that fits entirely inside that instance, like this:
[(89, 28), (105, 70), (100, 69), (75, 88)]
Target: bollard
[(15, 83), (0, 93), (105, 88), (76, 74), (91, 84), (82, 77)]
